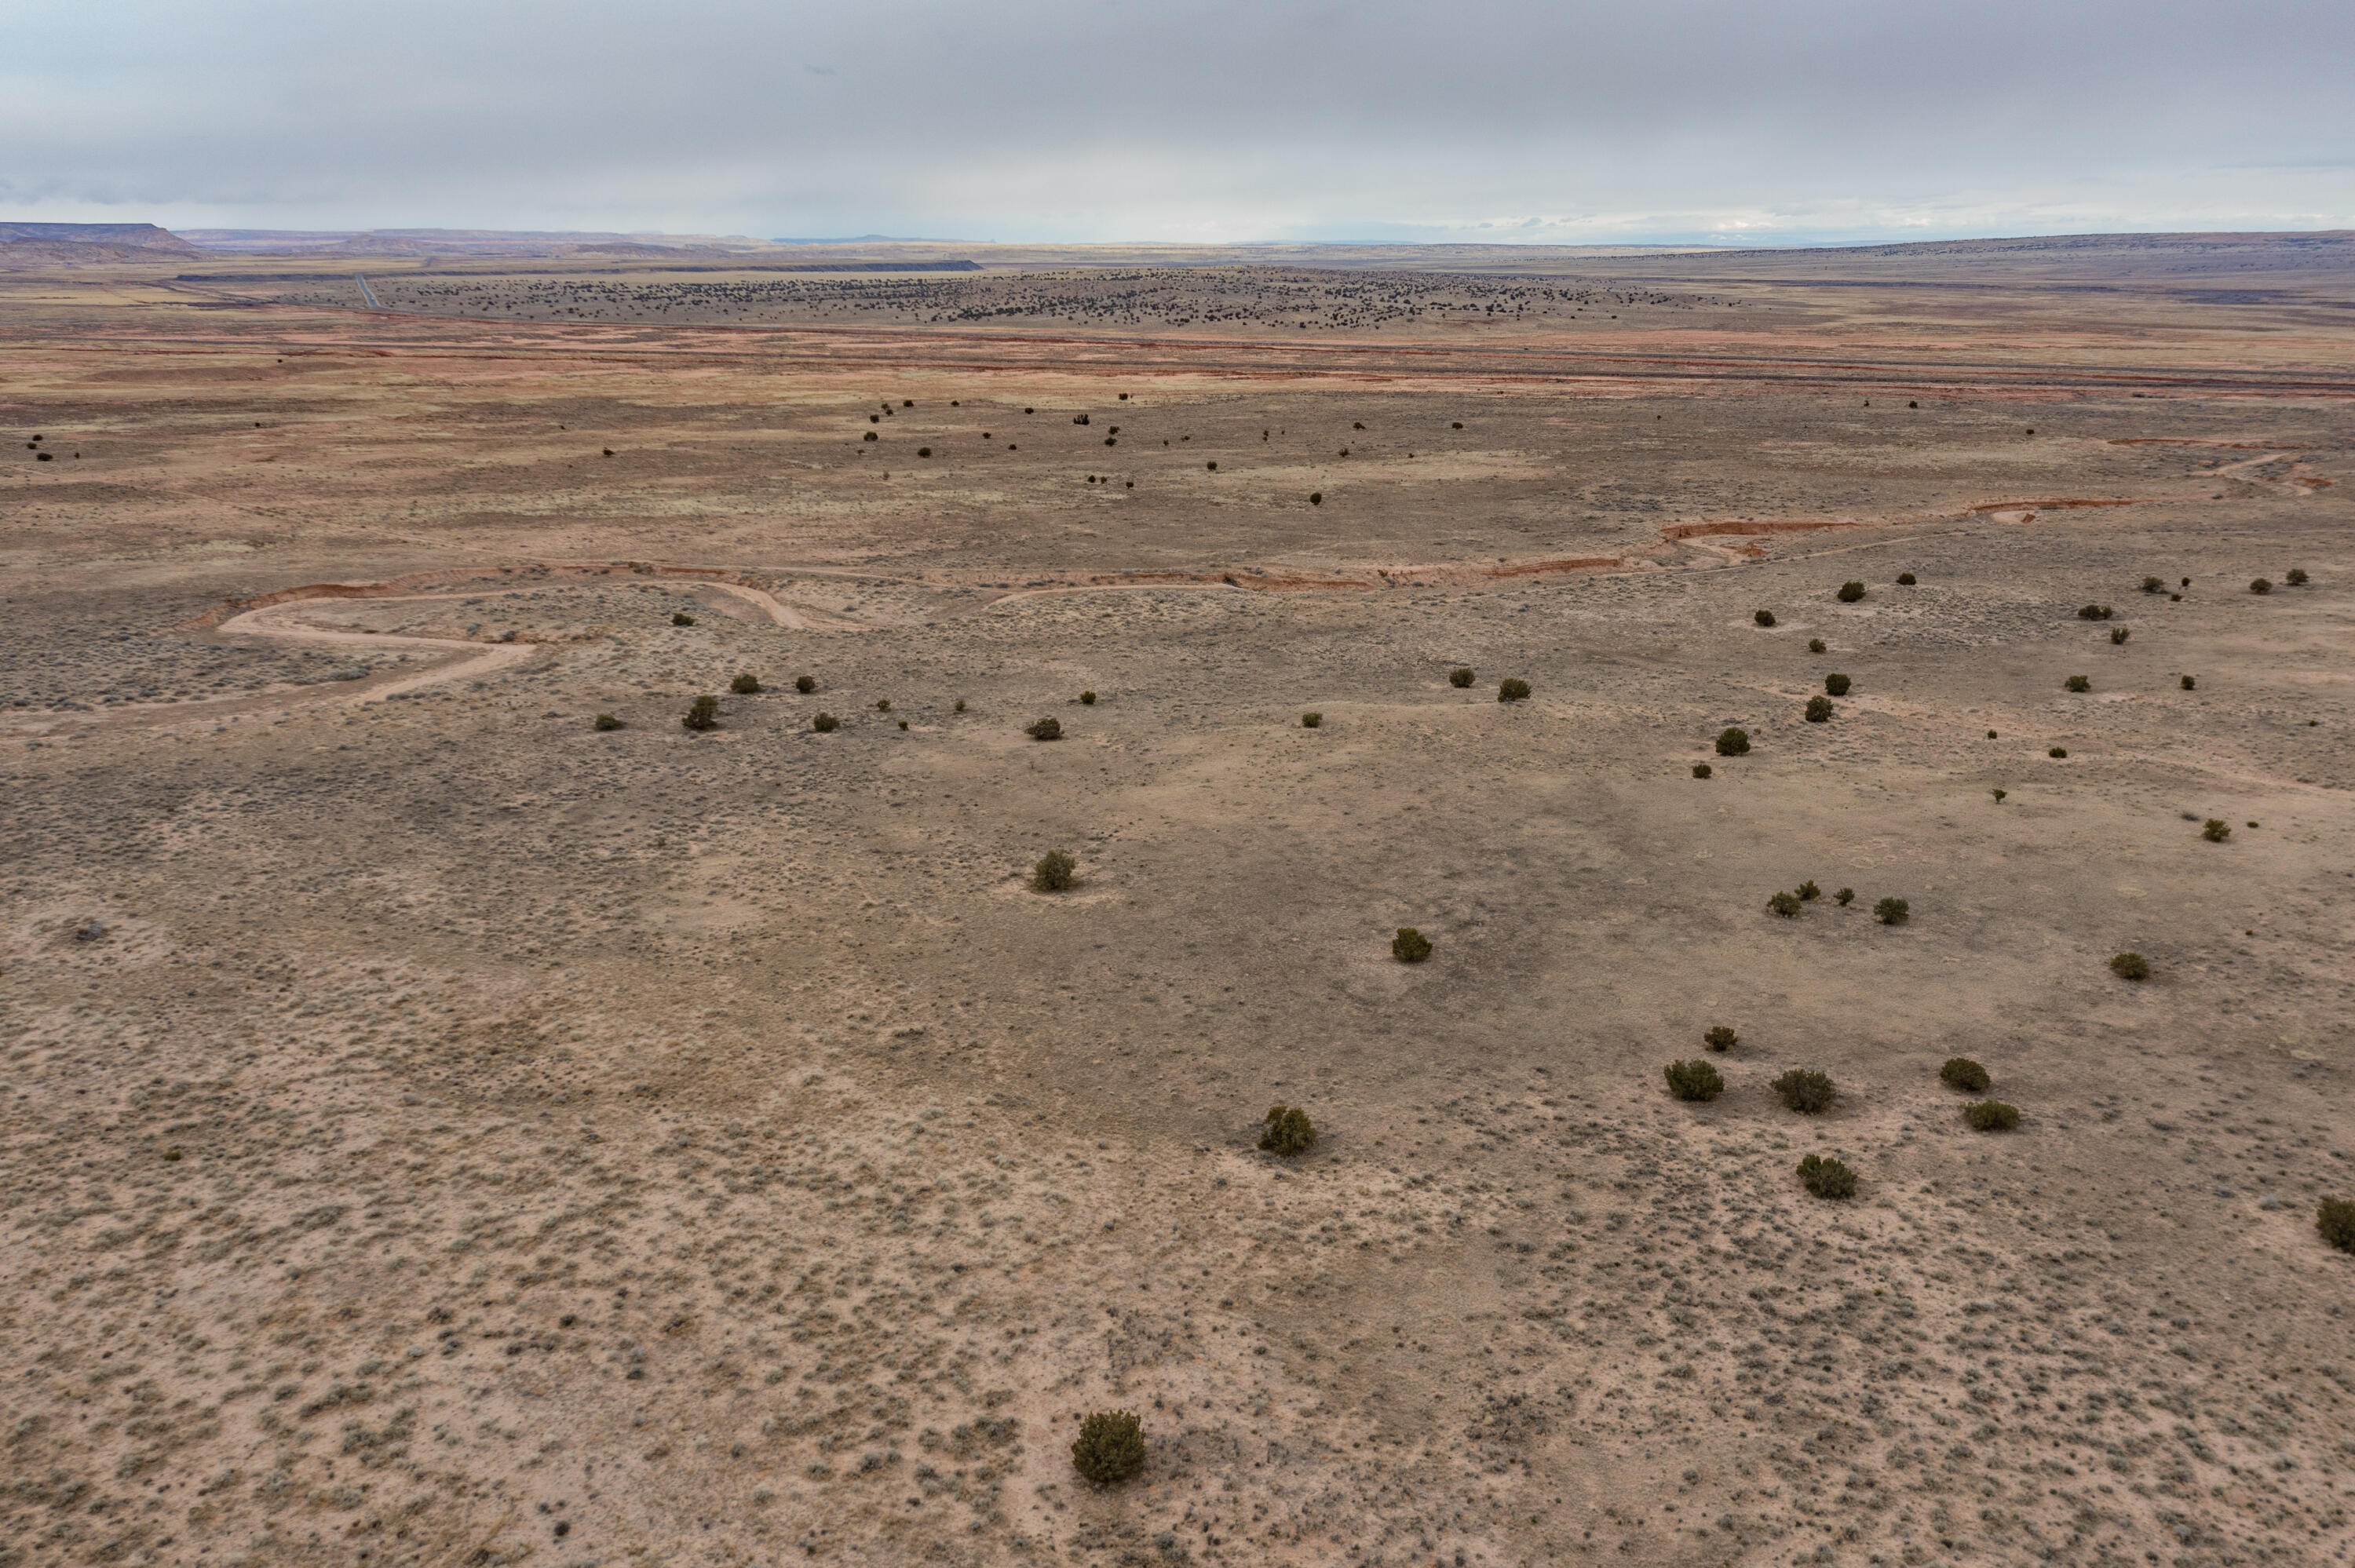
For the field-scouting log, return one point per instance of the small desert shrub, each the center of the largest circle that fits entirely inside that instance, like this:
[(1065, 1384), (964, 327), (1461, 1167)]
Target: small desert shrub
[(1512, 689), (1410, 945), (745, 685), (1786, 904), (680, 617), (1460, 677), (2152, 585), (1693, 1081), (960, 705), (1818, 709), (1850, 591), (2130, 965), (2094, 612), (882, 705), (805, 683), (1053, 872), (1765, 618), (1905, 579), (2260, 585), (1702, 770), (2189, 684), (1998, 795), (1721, 1038), (1892, 912), (1991, 1116), (1836, 685), (1312, 721), (605, 721), (2216, 830), (1808, 890), (1315, 498), (1111, 1445), (2058, 751), (2335, 1220), (825, 724), (2296, 578), (1805, 1091), (924, 451), (1844, 897), (1046, 729), (2080, 682), (1288, 1131), (1814, 644), (1733, 743), (703, 714), (1827, 1178), (1961, 1073), (2118, 634), (1088, 699)]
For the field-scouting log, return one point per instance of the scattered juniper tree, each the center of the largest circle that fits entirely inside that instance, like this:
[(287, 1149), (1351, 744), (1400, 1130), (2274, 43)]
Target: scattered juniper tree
[(1991, 1116), (1827, 1178), (702, 714), (1804, 1091), (1110, 1445), (1288, 1131), (1733, 743), (1961, 1073), (1695, 1080), (1892, 912)]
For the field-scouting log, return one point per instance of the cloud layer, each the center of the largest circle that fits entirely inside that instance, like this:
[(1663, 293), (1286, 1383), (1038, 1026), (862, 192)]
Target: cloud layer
[(1210, 120)]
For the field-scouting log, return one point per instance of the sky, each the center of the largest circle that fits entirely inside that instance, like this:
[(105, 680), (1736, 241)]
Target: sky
[(1679, 122)]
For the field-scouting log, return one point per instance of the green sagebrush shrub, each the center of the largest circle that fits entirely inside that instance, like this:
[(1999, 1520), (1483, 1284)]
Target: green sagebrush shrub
[(1693, 1080), (1805, 1091)]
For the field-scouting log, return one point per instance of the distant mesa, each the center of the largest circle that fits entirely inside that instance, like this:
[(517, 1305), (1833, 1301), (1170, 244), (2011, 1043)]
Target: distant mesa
[(43, 244)]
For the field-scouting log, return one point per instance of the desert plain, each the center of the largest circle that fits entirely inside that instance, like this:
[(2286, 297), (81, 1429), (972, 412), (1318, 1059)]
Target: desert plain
[(441, 1131)]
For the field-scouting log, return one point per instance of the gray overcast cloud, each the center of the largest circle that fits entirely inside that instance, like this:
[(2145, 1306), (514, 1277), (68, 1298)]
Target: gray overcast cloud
[(1123, 120)]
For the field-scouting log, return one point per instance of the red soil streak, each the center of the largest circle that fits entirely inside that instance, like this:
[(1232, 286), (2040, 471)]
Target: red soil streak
[(1705, 530), (2191, 442), (1566, 564), (2054, 505), (400, 586)]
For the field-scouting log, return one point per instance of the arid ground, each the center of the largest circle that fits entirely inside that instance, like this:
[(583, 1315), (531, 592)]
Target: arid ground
[(440, 1132)]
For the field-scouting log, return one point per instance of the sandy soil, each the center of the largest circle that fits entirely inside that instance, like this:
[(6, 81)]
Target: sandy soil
[(441, 1132)]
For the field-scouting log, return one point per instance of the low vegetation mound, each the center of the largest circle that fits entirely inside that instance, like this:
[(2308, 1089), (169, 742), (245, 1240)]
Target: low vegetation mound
[(1046, 729), (1733, 743), (1721, 1038), (1807, 1091), (2334, 1219), (702, 714), (745, 685), (1410, 945), (1054, 871), (1512, 689), (1850, 591), (2131, 967), (1892, 912)]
